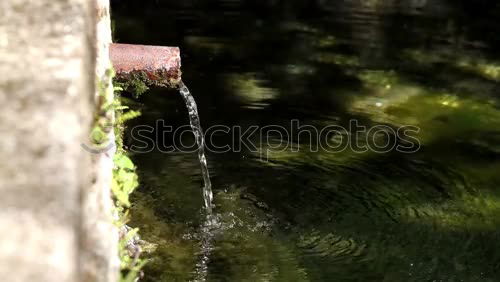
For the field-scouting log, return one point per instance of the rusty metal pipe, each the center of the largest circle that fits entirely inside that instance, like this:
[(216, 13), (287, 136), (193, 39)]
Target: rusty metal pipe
[(154, 65)]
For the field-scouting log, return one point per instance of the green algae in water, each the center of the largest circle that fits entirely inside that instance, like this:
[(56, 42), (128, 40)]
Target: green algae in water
[(318, 216)]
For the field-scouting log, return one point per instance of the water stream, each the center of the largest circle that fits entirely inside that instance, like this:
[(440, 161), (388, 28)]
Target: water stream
[(194, 120), (207, 228)]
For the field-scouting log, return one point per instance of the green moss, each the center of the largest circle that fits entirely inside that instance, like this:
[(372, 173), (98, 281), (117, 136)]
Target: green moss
[(125, 181), (138, 82), (112, 115), (134, 83)]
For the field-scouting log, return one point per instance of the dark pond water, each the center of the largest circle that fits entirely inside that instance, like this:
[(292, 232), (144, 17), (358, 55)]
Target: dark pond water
[(301, 215)]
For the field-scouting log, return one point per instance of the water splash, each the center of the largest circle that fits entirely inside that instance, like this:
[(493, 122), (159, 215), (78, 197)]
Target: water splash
[(208, 230), (194, 120)]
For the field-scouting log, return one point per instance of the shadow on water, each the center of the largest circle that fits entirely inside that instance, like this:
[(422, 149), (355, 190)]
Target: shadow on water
[(320, 216)]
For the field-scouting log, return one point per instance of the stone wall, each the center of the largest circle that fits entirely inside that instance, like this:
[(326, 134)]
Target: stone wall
[(55, 216), (99, 257)]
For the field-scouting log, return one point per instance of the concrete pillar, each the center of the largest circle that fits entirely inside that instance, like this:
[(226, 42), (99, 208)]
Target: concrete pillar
[(99, 253), (55, 210)]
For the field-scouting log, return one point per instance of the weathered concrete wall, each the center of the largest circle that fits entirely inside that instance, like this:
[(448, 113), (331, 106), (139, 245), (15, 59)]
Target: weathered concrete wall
[(99, 257), (49, 207)]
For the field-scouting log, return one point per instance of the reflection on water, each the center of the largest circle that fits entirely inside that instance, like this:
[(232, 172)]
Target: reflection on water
[(320, 216)]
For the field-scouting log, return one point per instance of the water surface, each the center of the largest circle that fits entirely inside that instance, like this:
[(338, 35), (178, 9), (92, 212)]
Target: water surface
[(432, 215)]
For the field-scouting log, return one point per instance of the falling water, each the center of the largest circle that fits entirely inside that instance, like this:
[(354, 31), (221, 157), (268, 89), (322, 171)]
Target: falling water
[(210, 221), (194, 120)]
